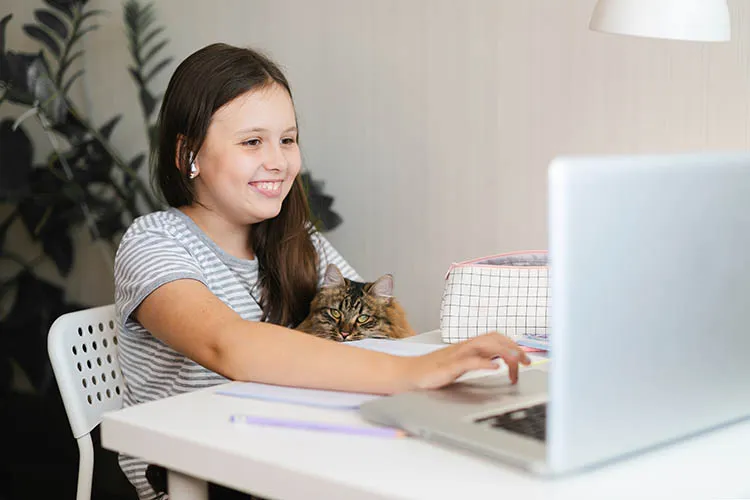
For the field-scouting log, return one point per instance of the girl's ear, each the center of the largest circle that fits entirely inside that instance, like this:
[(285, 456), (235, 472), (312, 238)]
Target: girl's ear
[(178, 155), (333, 277)]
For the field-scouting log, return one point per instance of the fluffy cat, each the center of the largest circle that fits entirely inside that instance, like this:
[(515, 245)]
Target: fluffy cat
[(344, 310)]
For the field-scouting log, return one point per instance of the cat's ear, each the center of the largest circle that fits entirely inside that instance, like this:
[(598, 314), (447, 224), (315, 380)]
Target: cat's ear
[(382, 287), (333, 277)]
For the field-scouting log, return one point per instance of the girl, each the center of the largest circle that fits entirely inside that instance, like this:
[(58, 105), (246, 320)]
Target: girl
[(208, 290)]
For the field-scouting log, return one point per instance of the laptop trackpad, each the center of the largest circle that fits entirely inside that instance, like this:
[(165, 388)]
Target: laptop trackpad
[(495, 389)]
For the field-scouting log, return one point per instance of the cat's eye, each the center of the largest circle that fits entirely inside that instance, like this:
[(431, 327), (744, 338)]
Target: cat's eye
[(363, 318), (334, 313)]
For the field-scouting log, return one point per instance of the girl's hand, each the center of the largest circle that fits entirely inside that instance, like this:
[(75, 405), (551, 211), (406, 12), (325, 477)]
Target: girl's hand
[(444, 366)]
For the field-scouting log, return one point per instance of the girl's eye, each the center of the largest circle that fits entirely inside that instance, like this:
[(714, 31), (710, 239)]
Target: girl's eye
[(288, 140), (251, 142), (362, 318), (335, 314)]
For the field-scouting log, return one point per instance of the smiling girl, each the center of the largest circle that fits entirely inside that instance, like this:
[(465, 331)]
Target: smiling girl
[(208, 290)]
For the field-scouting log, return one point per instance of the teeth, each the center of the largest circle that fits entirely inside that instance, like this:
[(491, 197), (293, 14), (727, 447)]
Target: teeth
[(268, 186)]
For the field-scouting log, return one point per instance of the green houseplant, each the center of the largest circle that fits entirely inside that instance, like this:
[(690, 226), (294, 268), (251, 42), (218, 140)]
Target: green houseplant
[(84, 182)]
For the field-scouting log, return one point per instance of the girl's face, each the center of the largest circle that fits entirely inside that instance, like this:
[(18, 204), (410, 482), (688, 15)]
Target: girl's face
[(250, 157)]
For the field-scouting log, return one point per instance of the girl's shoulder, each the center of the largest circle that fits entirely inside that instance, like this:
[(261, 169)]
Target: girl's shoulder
[(169, 222)]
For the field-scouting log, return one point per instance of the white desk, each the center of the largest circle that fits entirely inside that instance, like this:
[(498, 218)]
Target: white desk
[(190, 435)]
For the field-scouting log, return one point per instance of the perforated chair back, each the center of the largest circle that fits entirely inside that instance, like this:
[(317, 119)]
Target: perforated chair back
[(82, 348)]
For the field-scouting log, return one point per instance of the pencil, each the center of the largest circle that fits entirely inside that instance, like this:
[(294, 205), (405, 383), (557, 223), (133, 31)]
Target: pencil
[(317, 426)]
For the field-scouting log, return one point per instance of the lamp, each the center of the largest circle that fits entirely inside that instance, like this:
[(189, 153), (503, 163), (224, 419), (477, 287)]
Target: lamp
[(698, 20)]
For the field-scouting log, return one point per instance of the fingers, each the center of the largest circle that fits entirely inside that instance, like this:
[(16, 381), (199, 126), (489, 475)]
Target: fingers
[(475, 363), (494, 345), (513, 371), (497, 345)]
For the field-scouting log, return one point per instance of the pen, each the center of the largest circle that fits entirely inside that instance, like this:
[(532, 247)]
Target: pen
[(317, 426)]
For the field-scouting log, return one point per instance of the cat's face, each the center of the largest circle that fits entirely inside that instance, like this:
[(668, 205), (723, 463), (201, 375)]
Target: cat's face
[(345, 310)]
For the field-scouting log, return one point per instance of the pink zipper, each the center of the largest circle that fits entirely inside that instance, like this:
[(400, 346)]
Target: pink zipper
[(492, 266)]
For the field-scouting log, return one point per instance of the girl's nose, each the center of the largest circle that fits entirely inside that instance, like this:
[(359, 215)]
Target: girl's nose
[(275, 159)]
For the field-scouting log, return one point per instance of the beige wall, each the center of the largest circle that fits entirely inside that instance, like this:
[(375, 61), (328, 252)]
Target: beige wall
[(433, 121)]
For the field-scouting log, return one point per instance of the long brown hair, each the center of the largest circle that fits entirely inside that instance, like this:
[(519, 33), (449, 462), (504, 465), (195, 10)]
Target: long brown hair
[(204, 82)]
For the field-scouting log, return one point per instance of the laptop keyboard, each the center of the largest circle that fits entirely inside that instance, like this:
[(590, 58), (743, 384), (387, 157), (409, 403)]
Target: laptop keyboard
[(531, 421)]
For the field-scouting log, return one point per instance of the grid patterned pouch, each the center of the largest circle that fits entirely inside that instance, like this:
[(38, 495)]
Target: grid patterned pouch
[(507, 293)]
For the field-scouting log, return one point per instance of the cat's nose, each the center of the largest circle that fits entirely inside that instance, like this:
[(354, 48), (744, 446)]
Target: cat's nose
[(345, 334)]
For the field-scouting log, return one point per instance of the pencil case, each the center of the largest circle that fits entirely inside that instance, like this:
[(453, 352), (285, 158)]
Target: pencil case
[(507, 293)]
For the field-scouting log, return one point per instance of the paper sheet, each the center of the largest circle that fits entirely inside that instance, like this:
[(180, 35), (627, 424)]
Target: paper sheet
[(307, 397)]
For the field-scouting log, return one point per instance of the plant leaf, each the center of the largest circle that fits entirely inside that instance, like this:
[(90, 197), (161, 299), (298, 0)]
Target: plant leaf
[(136, 76), (44, 90), (14, 73), (151, 53), (132, 46), (8, 76), (4, 227), (16, 155), (153, 135), (62, 6), (58, 246), (136, 162), (34, 214), (93, 13), (130, 15), (3, 23), (148, 101), (73, 78), (151, 36), (37, 304), (81, 33), (320, 204), (145, 16), (106, 129), (109, 222), (156, 69), (65, 64), (40, 35), (52, 22), (95, 160), (25, 116), (71, 126)]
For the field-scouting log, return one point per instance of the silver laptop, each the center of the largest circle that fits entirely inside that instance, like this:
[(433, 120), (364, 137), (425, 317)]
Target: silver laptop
[(649, 321)]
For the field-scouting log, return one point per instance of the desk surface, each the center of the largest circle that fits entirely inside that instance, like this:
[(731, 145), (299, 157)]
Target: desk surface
[(191, 434)]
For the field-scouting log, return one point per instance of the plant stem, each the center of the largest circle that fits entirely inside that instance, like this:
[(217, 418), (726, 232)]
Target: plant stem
[(127, 200), (84, 206), (9, 220), (152, 203), (122, 165), (68, 45), (27, 266)]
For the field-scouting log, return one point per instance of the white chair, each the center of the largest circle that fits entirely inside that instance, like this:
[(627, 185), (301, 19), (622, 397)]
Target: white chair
[(82, 348)]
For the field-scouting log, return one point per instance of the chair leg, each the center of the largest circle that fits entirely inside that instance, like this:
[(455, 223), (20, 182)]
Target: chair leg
[(85, 467)]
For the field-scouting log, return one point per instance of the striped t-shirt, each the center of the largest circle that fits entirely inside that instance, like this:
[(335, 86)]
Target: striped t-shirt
[(159, 248)]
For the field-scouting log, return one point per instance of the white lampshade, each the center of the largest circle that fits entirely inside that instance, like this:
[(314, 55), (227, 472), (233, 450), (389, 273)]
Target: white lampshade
[(699, 20)]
